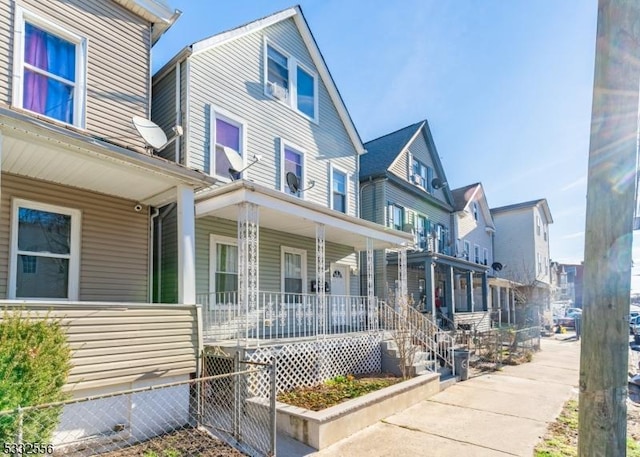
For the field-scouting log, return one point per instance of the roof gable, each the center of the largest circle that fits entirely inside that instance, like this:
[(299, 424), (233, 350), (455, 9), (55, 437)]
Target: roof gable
[(540, 203), (464, 196), (296, 14), (385, 150)]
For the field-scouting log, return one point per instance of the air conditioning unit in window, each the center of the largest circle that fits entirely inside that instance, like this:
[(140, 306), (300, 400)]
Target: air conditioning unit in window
[(416, 179), (277, 91)]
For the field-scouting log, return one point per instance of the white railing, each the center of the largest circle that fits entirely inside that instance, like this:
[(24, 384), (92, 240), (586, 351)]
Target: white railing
[(284, 315), (424, 333)]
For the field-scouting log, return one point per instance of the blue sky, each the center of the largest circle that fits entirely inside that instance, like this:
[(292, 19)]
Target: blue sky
[(506, 85)]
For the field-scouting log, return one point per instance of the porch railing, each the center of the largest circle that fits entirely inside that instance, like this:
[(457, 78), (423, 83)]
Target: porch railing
[(426, 334), (278, 315)]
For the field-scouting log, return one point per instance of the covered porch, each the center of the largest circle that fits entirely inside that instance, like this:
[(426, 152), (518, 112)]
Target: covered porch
[(296, 273)]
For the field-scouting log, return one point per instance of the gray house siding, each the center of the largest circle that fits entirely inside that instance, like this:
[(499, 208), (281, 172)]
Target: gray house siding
[(475, 233), (114, 239), (118, 60), (271, 242), (163, 109), (229, 78)]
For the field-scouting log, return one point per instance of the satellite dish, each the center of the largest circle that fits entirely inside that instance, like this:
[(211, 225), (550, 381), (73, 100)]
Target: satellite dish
[(150, 132), (438, 183), (497, 266), (235, 161), (293, 182)]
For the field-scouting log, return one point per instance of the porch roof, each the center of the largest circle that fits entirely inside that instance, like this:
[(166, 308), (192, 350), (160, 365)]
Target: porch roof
[(289, 214), (42, 150), (419, 257)]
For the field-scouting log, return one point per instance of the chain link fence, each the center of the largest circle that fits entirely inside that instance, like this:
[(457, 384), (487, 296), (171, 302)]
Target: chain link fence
[(505, 345), (210, 416)]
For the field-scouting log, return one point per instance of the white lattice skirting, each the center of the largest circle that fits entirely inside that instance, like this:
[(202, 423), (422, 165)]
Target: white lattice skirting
[(311, 362)]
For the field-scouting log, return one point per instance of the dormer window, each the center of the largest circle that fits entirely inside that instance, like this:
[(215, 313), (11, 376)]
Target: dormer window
[(288, 81), (50, 69), (475, 211)]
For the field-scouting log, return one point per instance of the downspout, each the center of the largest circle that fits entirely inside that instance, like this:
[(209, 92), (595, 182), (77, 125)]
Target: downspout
[(162, 214), (153, 215)]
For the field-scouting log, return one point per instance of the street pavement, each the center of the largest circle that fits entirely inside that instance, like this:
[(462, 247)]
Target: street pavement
[(503, 413)]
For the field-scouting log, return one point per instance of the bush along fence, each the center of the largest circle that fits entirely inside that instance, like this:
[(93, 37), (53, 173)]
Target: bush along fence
[(505, 345), (192, 417)]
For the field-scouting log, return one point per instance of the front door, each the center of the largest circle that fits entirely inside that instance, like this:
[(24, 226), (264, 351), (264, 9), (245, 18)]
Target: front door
[(339, 279)]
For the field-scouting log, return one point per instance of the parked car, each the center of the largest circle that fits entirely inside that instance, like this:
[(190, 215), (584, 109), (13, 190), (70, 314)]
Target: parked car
[(633, 321), (635, 329)]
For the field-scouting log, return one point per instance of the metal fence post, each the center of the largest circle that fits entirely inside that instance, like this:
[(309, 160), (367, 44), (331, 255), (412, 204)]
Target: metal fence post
[(236, 397), (19, 431), (272, 399)]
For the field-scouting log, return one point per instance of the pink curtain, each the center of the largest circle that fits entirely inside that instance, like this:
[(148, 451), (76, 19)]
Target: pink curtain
[(35, 85)]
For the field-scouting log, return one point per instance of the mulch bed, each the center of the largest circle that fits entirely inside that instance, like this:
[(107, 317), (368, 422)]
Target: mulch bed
[(184, 443)]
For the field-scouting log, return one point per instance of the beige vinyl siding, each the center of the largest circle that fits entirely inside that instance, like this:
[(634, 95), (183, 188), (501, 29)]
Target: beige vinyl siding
[(229, 77), (118, 60), (123, 343), (114, 238), (269, 254), (163, 110)]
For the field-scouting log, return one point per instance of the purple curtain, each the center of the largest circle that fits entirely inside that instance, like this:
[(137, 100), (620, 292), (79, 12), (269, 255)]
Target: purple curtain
[(35, 85), (226, 135)]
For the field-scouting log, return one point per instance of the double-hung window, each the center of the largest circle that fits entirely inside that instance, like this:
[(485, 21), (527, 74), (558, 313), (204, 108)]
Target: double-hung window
[(287, 80), (45, 251), (485, 254), (224, 268), (475, 211), (422, 226), (338, 190), (292, 166), (422, 175), (476, 253), (49, 62), (467, 250), (228, 140), (395, 216), (294, 273)]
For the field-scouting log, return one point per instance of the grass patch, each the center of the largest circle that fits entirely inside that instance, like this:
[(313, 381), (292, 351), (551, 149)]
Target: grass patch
[(561, 439), (335, 391)]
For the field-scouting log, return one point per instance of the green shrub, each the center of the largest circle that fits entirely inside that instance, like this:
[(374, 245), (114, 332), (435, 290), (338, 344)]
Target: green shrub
[(35, 360)]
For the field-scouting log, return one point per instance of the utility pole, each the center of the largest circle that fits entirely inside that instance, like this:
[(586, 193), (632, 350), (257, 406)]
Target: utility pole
[(610, 204)]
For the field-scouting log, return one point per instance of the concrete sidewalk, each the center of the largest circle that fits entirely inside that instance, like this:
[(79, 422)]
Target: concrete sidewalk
[(498, 414)]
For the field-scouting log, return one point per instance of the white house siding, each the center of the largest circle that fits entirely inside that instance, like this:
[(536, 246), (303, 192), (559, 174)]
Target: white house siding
[(513, 245), (541, 245), (114, 238), (270, 254), (475, 233), (229, 77), (118, 60)]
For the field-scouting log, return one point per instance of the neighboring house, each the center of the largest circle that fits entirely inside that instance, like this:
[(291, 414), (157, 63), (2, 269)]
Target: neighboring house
[(522, 247), (569, 279), (79, 187), (404, 187), (277, 236)]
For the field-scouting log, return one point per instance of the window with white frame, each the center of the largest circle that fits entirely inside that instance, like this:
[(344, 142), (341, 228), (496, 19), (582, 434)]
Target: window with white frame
[(228, 139), (338, 190), (395, 216), (223, 268), (485, 255), (442, 238), (45, 251), (538, 225), (422, 175), (539, 263), (287, 80), (467, 250), (475, 211), (294, 273), (292, 161), (476, 253), (423, 227), (50, 65)]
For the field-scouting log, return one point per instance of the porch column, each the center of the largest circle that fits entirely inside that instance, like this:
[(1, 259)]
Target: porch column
[(248, 245), (320, 277), (372, 311), (186, 245), (498, 289), (449, 283), (402, 273), (485, 292), (430, 287), (470, 304)]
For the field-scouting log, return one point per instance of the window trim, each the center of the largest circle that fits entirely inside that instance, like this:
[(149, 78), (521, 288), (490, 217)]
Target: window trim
[(214, 240), (476, 253), (303, 261), (485, 255), (333, 168), (23, 16), (292, 66), (284, 144), (73, 285), (230, 118), (403, 214), (467, 250)]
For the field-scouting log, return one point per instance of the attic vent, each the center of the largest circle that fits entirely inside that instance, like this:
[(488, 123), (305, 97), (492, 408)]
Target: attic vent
[(277, 91)]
